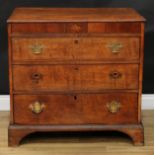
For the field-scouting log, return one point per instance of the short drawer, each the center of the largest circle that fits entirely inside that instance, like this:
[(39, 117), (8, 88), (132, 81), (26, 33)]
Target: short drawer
[(76, 48), (108, 108), (74, 77)]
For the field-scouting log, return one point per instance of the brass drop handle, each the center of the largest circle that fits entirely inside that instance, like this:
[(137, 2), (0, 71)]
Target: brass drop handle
[(36, 107), (36, 76), (113, 106), (115, 75), (115, 47), (37, 48)]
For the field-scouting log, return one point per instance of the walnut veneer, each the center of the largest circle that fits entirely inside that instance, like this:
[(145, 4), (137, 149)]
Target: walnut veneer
[(75, 70)]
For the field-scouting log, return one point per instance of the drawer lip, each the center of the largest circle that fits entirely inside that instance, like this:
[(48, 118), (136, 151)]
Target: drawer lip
[(70, 62), (69, 101), (49, 35), (66, 92)]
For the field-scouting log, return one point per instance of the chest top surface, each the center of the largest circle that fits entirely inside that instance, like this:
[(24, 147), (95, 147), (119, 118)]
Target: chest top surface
[(75, 15)]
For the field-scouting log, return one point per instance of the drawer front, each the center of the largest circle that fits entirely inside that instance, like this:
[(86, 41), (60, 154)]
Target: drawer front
[(110, 108), (74, 77), (79, 48)]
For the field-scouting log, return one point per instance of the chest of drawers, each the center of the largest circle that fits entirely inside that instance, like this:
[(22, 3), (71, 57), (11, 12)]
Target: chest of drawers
[(75, 70)]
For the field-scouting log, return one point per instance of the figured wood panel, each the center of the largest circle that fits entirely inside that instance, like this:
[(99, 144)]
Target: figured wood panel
[(76, 109), (76, 48), (38, 28), (116, 27), (74, 77)]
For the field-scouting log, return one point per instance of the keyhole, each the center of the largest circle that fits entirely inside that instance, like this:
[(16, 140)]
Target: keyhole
[(75, 97), (36, 76), (115, 74), (76, 68), (76, 41)]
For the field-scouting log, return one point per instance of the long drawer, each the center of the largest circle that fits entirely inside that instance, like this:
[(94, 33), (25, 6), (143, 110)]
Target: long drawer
[(108, 108), (75, 77), (75, 48)]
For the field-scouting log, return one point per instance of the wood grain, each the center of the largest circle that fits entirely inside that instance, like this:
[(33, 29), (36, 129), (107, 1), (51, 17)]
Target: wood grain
[(111, 27), (84, 27), (141, 70), (21, 15), (10, 74), (74, 77), (18, 132), (38, 28), (76, 109), (76, 48)]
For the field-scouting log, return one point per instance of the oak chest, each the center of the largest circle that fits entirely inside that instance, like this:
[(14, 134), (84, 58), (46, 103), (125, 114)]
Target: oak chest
[(75, 70)]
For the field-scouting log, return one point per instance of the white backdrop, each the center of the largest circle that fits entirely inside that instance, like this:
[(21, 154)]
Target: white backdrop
[(147, 102)]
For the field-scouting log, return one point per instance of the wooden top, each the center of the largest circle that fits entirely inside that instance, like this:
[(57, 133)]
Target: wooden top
[(75, 15)]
